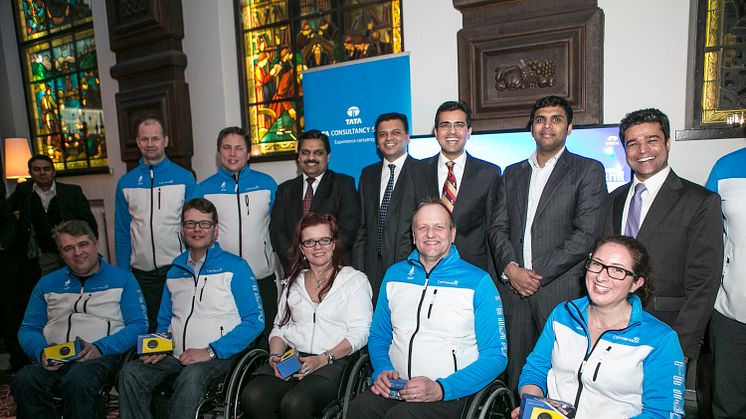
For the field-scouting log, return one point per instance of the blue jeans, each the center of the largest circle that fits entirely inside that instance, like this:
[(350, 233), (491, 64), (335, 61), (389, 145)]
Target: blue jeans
[(137, 381), (78, 383)]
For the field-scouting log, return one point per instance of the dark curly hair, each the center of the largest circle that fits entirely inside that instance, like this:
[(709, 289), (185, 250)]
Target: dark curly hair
[(640, 262)]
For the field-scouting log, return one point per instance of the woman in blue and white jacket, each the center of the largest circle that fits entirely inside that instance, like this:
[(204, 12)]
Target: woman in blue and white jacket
[(603, 353)]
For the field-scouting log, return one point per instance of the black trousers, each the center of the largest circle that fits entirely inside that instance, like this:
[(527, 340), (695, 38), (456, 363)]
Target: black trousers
[(371, 406), (728, 342), (268, 397), (151, 284)]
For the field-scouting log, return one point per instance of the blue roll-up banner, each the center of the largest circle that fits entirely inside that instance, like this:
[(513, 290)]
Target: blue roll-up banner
[(343, 100)]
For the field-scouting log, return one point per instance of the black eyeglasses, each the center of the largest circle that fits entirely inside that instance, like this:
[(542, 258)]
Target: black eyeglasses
[(324, 241), (614, 272), (446, 125), (191, 224)]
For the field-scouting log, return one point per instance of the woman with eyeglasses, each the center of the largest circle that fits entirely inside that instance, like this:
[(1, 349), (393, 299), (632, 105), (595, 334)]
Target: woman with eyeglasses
[(324, 313), (603, 353)]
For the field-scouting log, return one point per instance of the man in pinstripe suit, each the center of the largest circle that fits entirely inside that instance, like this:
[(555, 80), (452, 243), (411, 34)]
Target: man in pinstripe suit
[(555, 209)]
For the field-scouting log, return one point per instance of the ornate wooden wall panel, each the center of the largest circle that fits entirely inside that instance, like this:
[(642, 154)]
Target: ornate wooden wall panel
[(146, 37), (505, 66)]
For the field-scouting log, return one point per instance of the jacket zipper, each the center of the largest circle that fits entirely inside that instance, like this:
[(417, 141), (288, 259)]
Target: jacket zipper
[(417, 327), (159, 198), (70, 317), (598, 366), (455, 362), (432, 301), (85, 303), (195, 276), (152, 233), (313, 331), (266, 257), (240, 217), (202, 291)]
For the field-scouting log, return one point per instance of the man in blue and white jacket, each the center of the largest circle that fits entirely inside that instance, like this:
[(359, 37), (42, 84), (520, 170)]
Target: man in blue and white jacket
[(438, 324), (90, 301), (212, 307), (148, 204), (244, 199), (728, 321)]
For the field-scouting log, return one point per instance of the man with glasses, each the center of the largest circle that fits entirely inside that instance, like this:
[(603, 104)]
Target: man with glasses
[(468, 187), (545, 229), (317, 189), (213, 309), (387, 201), (679, 222), (244, 200), (149, 199)]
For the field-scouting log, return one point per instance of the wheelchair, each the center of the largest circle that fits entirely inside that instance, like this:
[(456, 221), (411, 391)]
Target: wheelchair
[(221, 398), (493, 402)]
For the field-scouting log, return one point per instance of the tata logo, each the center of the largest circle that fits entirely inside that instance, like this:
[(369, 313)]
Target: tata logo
[(353, 112)]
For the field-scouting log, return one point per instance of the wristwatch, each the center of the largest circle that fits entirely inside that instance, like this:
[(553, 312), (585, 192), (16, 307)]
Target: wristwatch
[(211, 352)]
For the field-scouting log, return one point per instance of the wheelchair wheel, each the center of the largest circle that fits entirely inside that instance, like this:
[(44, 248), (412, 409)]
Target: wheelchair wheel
[(493, 402), (359, 381)]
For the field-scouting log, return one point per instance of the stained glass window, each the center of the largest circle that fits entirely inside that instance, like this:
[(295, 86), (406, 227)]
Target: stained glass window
[(721, 67), (58, 53), (282, 38)]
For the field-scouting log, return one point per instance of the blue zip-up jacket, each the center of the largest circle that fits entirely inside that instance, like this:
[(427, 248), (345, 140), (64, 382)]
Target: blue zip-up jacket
[(243, 213), (637, 371), (147, 214), (218, 306), (449, 325), (728, 179), (106, 310)]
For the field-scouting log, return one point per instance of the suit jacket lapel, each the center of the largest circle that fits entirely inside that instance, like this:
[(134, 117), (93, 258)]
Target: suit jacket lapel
[(468, 181), (433, 174), (558, 173), (523, 183), (323, 191), (397, 194), (296, 196), (664, 201), (375, 186), (618, 207)]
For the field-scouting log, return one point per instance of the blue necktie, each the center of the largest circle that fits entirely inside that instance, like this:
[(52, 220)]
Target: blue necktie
[(385, 208), (635, 208)]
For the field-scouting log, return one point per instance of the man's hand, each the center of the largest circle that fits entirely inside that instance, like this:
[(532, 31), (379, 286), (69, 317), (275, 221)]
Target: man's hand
[(309, 364), (527, 389), (89, 352), (421, 389), (45, 364), (382, 385), (524, 281), (193, 356), (152, 359)]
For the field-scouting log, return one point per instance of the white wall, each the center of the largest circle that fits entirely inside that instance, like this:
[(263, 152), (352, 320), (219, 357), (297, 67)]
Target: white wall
[(645, 58)]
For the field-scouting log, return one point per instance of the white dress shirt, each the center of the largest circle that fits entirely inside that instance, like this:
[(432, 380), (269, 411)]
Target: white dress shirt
[(539, 178), (386, 174), (458, 170), (653, 184), (314, 185), (46, 196)]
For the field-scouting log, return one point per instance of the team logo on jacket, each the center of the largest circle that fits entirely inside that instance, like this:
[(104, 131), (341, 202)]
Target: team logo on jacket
[(139, 180), (410, 275), (222, 186)]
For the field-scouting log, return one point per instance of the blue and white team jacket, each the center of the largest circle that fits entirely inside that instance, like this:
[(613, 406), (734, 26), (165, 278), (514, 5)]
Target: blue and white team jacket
[(108, 310), (243, 213), (218, 306), (728, 178), (446, 325), (637, 371), (148, 214)]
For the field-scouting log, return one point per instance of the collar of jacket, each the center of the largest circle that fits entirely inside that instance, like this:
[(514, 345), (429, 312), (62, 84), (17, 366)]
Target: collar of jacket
[(579, 307), (103, 266), (449, 259), (158, 167), (243, 174), (181, 260)]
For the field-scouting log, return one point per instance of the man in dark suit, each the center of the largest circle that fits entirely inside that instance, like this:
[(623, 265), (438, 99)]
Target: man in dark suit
[(318, 190), (42, 204), (546, 228), (387, 201), (679, 222), (469, 187)]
